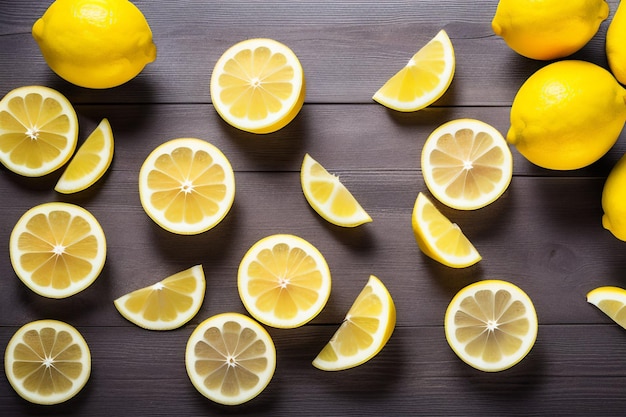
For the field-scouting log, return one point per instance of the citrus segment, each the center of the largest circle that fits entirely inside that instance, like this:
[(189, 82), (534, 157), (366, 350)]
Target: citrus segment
[(611, 301), (284, 281), (423, 80), (364, 332), (329, 197), (47, 362), (38, 130), (187, 186), (57, 249), (167, 304), (491, 325), (258, 85), (230, 358)]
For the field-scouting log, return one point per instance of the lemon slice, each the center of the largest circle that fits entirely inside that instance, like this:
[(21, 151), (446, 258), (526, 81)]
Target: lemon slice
[(38, 130), (423, 80), (439, 238), (466, 164), (329, 197), (284, 281), (364, 332), (57, 249), (187, 186), (491, 325), (258, 85), (230, 358), (611, 301), (166, 305), (91, 161), (47, 362)]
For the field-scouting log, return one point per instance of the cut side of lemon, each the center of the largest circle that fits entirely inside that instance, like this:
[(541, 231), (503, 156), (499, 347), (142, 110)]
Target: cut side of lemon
[(439, 238), (57, 249), (329, 197), (466, 164), (423, 80), (258, 85), (611, 301), (47, 362), (230, 358), (284, 281), (38, 130), (491, 325), (364, 332), (187, 186), (167, 304), (91, 161)]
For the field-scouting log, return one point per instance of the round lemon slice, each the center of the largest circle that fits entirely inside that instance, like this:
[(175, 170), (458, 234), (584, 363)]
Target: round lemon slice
[(329, 197), (439, 238), (466, 164), (491, 325), (611, 301), (166, 305), (364, 332), (57, 249), (258, 85), (47, 362), (187, 186), (90, 163), (230, 358), (423, 80), (284, 281), (38, 130)]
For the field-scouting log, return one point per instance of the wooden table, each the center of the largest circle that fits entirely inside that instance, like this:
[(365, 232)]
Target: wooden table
[(544, 234)]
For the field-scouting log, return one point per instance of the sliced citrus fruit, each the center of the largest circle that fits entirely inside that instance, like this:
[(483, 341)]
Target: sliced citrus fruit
[(57, 249), (423, 80), (230, 358), (91, 161), (284, 281), (364, 332), (47, 362), (258, 85), (187, 186), (439, 238), (491, 325), (611, 301), (329, 197), (38, 130), (466, 164), (166, 305)]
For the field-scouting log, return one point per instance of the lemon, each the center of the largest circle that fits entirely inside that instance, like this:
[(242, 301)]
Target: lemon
[(611, 301), (466, 164), (364, 332), (38, 130), (95, 43), (166, 305), (90, 163), (258, 85), (57, 249), (329, 197), (284, 281), (230, 358), (567, 115), (439, 238), (615, 48), (186, 185), (548, 29), (423, 80), (491, 325), (614, 200), (47, 362)]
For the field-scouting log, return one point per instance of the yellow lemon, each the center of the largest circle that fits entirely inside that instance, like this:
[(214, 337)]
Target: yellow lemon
[(548, 29), (95, 43), (614, 200), (615, 46), (611, 301), (567, 115)]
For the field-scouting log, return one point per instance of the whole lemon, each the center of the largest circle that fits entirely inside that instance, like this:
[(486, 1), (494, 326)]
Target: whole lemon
[(548, 29), (616, 43), (614, 200), (567, 115), (95, 43)]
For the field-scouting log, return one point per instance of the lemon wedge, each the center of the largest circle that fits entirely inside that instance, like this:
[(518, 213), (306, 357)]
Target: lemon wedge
[(611, 301)]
